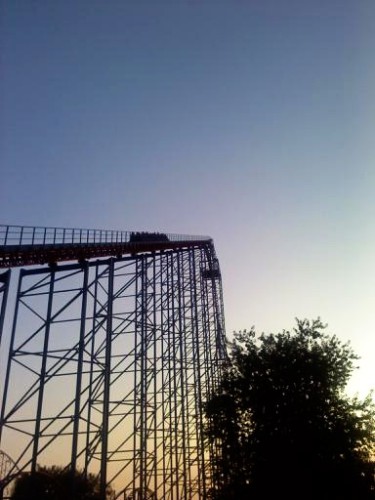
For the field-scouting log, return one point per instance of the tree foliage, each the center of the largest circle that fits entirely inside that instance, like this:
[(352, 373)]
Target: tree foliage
[(57, 483), (284, 424)]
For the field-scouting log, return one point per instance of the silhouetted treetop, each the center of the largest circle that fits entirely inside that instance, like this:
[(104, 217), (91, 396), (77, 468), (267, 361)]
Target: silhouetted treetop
[(284, 423), (58, 483)]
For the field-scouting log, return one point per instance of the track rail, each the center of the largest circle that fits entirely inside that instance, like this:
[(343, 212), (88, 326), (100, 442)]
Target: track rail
[(28, 245)]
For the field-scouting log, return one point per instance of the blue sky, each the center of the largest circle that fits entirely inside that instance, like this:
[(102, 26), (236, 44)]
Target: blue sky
[(249, 121)]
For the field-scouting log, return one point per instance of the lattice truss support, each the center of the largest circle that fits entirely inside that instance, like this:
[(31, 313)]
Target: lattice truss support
[(110, 363)]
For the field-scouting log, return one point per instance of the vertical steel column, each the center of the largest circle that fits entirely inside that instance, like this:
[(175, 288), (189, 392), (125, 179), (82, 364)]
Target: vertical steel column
[(4, 288), (175, 478), (81, 346), (164, 374), (182, 367), (143, 375), (90, 396), (197, 378), (9, 363), (155, 370), (43, 373), (136, 403), (107, 383), (171, 391)]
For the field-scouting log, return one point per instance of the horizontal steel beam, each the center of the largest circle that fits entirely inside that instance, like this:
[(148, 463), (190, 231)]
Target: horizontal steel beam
[(27, 255)]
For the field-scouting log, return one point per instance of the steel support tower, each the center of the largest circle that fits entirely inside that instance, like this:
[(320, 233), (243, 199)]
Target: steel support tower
[(112, 342)]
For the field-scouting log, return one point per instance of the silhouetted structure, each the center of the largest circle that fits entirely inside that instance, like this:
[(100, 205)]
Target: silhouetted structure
[(6, 466), (111, 359)]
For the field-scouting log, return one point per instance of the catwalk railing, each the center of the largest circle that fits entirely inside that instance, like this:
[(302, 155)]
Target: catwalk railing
[(33, 245), (36, 235)]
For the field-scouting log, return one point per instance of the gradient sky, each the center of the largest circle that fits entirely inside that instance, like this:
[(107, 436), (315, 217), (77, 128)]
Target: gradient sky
[(251, 121)]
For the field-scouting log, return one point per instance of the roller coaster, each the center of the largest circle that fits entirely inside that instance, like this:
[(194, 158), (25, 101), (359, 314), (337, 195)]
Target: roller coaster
[(110, 344)]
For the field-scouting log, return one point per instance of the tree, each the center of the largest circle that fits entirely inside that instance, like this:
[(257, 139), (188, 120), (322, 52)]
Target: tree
[(57, 483), (283, 423)]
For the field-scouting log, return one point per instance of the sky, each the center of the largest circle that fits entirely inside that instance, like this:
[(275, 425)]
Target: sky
[(252, 122)]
